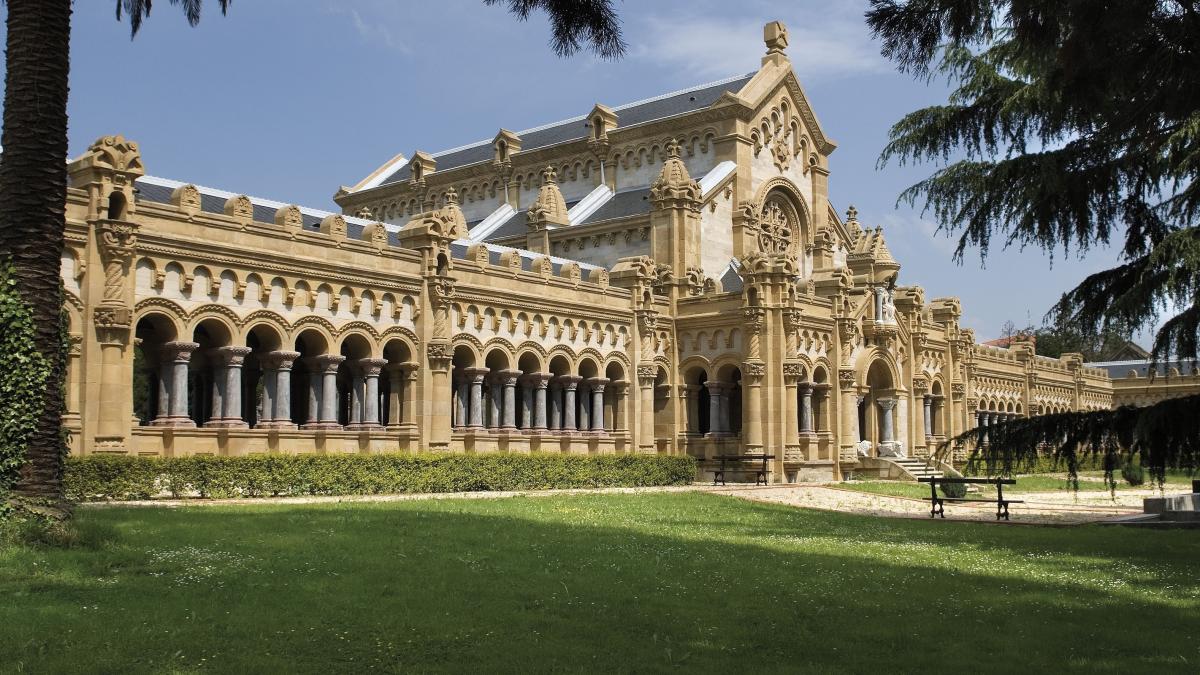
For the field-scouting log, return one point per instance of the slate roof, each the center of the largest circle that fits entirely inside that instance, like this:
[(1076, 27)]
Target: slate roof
[(638, 112), (1119, 369)]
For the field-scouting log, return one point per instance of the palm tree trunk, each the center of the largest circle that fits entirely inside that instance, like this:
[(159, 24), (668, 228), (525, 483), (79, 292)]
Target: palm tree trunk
[(33, 193)]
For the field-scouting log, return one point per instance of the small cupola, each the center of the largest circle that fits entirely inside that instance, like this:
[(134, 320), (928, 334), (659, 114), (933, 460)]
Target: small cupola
[(601, 120), (421, 165), (506, 144)]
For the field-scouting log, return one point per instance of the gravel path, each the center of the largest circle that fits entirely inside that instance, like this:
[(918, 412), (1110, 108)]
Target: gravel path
[(1039, 507)]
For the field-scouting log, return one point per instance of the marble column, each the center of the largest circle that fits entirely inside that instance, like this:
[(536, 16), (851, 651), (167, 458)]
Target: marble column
[(554, 398), (476, 377), (716, 423), (569, 384), (806, 409), (175, 357), (597, 388), (328, 363), (277, 390), (508, 380), (539, 383), (646, 375), (928, 416), (227, 388), (462, 398), (366, 390), (886, 427)]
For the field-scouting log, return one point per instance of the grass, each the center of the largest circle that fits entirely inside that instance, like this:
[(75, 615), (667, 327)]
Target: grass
[(614, 583)]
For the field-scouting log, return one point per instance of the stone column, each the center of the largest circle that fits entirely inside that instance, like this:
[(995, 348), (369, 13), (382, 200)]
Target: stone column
[(569, 384), (400, 385), (539, 383), (329, 395), (163, 390), (806, 409), (716, 423), (752, 419), (315, 382), (367, 393), (646, 375), (227, 387), (886, 428), (175, 357), (597, 416), (495, 401), (928, 416), (462, 398), (476, 377), (277, 390), (528, 387), (555, 396), (791, 414), (620, 390), (983, 426), (508, 380)]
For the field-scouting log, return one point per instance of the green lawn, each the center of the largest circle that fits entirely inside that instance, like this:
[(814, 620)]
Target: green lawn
[(615, 583)]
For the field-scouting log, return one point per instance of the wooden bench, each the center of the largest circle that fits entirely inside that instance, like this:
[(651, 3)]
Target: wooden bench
[(760, 473), (939, 503)]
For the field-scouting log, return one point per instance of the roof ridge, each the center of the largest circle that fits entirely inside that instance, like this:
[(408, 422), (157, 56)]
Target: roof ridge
[(623, 106)]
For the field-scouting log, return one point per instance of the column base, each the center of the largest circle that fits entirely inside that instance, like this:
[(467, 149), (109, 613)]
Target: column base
[(173, 422), (275, 425), (226, 424), (364, 426), (321, 426)]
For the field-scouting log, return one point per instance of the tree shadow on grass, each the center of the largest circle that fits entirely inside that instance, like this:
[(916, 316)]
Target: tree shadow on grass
[(613, 583)]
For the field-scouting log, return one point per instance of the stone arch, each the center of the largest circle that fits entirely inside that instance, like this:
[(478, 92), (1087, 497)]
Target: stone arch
[(360, 342), (161, 306), (261, 317), (471, 343), (533, 350), (317, 323), (217, 322), (503, 345), (786, 191)]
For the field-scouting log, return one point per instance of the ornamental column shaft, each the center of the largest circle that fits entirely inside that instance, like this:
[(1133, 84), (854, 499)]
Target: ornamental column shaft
[(569, 383), (597, 416), (541, 383), (646, 375), (886, 430), (277, 390), (928, 416), (554, 396), (806, 409), (715, 423), (227, 387), (752, 420), (509, 382), (174, 381), (475, 404), (329, 394)]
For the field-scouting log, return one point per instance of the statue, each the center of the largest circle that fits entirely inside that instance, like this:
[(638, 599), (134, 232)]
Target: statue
[(889, 307), (864, 448)]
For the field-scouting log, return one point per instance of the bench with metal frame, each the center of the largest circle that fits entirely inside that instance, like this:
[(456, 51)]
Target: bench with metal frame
[(938, 503), (760, 473)]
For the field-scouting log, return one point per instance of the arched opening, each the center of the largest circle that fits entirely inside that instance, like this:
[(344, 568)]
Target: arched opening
[(502, 151), (502, 384), (352, 390), (615, 398), (820, 399), (215, 364), (155, 354), (396, 385), (466, 403), (117, 205), (443, 264), (878, 411), (529, 384), (726, 391), (307, 378), (561, 380), (259, 397)]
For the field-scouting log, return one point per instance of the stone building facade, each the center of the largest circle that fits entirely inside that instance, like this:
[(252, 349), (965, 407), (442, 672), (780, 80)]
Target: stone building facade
[(666, 276)]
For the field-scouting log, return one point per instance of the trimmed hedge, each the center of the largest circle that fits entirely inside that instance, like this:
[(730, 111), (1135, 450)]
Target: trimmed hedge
[(121, 477)]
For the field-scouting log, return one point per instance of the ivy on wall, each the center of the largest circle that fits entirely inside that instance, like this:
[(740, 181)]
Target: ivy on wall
[(24, 373)]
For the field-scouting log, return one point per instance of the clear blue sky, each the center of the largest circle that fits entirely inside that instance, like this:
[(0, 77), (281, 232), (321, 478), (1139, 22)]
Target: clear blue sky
[(288, 99)]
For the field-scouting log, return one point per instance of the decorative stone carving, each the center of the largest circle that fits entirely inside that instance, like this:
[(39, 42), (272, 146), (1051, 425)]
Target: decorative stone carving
[(186, 198), (775, 229), (846, 378), (377, 234), (290, 218), (674, 187), (334, 226), (439, 355), (240, 208), (117, 240)]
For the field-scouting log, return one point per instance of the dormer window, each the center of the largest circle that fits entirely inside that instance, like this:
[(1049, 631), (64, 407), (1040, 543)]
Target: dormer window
[(502, 151), (506, 143), (417, 172)]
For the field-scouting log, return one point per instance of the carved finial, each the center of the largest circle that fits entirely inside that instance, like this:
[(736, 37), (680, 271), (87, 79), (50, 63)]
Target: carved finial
[(549, 176), (364, 213), (549, 208), (775, 35), (451, 197), (673, 149), (852, 214)]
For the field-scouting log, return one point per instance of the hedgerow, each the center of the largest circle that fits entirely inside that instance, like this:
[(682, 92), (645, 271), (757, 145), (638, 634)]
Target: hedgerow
[(122, 477)]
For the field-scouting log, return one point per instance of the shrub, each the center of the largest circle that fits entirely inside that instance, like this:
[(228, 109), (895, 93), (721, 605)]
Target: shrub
[(1133, 473), (953, 490), (107, 477)]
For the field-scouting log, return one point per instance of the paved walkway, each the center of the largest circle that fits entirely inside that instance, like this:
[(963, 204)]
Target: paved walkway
[(1039, 508)]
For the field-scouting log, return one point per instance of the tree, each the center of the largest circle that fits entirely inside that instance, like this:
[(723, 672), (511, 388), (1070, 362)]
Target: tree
[(1071, 124), (33, 193)]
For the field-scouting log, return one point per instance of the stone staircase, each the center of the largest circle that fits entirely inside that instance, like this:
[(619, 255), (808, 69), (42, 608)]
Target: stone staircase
[(913, 467)]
